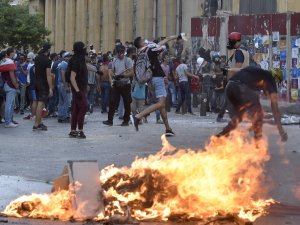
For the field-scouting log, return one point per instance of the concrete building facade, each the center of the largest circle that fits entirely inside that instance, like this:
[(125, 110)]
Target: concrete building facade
[(101, 22)]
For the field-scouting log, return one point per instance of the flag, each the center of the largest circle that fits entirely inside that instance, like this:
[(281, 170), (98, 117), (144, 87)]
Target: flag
[(6, 65)]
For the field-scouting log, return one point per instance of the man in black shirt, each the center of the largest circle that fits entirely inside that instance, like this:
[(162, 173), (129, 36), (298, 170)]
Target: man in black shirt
[(43, 84), (242, 92)]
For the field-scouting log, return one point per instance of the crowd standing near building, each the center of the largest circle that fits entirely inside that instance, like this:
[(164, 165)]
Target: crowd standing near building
[(68, 85)]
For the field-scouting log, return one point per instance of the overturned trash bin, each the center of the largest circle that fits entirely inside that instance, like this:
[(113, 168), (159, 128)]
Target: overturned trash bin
[(81, 178)]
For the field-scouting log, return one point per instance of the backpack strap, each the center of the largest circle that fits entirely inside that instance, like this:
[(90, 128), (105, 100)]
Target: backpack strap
[(230, 58)]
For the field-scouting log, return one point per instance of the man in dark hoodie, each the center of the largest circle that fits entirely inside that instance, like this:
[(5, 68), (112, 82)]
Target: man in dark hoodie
[(79, 81)]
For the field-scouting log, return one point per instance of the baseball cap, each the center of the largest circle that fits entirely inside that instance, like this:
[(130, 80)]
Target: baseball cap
[(46, 46)]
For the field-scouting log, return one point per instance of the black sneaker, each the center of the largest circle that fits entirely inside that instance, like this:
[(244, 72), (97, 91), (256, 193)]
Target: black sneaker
[(80, 134), (136, 122), (108, 123), (221, 120), (191, 113), (125, 124), (40, 127), (66, 120), (169, 133), (73, 134)]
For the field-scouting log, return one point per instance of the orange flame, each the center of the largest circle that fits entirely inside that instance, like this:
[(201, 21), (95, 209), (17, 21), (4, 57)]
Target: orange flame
[(45, 206), (176, 183)]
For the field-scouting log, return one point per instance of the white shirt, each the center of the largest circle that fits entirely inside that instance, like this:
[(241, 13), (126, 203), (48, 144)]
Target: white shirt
[(180, 71)]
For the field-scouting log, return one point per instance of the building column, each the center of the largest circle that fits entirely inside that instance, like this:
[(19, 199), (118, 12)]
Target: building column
[(70, 24), (59, 26), (125, 20), (81, 21), (171, 18), (93, 33), (108, 32), (148, 19), (50, 20)]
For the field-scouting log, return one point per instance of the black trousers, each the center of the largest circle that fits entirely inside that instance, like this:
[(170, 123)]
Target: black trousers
[(115, 93), (245, 102)]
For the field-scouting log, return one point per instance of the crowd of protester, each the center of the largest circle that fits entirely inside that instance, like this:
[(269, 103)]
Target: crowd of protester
[(51, 96)]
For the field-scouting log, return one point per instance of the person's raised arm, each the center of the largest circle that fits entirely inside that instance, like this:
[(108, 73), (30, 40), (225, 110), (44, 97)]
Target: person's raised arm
[(167, 39)]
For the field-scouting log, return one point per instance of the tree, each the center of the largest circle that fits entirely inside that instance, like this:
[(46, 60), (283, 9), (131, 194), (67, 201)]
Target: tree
[(19, 29)]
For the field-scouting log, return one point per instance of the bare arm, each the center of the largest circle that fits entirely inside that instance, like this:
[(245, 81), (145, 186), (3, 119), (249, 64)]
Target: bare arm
[(63, 77), (73, 81), (111, 74), (191, 75), (277, 116), (13, 79), (129, 73), (49, 78), (162, 42)]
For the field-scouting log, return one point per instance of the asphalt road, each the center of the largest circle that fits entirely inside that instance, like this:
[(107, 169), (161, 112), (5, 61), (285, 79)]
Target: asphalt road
[(38, 157)]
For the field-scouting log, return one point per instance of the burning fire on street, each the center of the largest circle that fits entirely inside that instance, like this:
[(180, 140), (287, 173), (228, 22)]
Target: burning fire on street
[(225, 178)]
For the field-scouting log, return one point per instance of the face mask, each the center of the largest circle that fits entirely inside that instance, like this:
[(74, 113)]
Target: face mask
[(121, 56), (15, 56)]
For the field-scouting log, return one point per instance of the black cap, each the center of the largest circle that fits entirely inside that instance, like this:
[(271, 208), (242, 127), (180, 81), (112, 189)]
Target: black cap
[(137, 41), (46, 46), (120, 48), (79, 47)]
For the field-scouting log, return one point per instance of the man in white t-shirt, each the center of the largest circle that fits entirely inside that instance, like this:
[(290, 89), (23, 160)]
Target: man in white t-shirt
[(121, 70), (184, 86)]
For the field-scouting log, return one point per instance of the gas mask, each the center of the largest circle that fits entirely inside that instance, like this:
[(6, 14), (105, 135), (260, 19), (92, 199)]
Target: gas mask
[(230, 44)]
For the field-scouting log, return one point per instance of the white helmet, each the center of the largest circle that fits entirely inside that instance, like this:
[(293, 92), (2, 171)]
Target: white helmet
[(200, 60), (30, 55)]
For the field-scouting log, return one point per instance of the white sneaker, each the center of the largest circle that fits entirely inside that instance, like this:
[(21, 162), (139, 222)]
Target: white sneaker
[(11, 125)]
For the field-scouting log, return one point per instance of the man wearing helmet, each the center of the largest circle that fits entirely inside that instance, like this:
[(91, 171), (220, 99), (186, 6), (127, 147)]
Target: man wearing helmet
[(238, 58)]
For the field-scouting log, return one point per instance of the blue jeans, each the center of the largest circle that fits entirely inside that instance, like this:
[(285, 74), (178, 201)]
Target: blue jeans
[(22, 96), (9, 103), (63, 103), (221, 96), (91, 94), (53, 102), (172, 90), (159, 87), (105, 90), (185, 93)]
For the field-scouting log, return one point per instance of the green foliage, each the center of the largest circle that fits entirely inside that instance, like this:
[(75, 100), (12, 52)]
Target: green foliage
[(19, 29)]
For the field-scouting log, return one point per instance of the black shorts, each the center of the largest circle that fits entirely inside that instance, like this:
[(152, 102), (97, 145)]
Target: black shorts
[(42, 91), (242, 97)]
